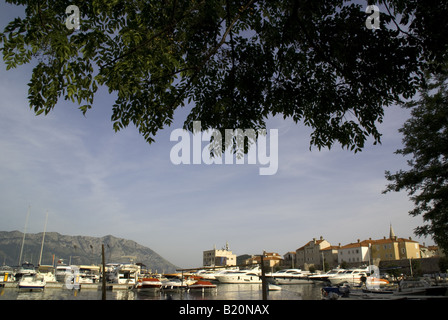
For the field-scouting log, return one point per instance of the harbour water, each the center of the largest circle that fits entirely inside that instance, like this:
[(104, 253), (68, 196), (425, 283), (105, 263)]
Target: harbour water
[(222, 292)]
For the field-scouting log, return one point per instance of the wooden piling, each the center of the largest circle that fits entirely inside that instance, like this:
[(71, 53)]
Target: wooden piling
[(263, 280), (104, 274)]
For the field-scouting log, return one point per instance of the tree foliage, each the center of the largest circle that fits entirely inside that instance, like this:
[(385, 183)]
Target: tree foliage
[(426, 141), (239, 61)]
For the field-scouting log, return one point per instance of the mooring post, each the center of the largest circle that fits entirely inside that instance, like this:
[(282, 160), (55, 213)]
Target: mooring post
[(104, 274), (263, 279)]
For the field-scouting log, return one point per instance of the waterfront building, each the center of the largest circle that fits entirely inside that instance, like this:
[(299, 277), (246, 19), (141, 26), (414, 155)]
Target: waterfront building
[(386, 249), (395, 249), (289, 260), (270, 259), (330, 256), (215, 258), (358, 252), (310, 254)]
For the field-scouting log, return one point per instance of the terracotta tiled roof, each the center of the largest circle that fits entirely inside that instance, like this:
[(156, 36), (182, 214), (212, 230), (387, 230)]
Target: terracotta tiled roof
[(309, 242), (354, 245), (331, 248)]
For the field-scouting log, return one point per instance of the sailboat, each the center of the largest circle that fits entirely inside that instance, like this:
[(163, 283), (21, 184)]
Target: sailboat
[(48, 272), (27, 276)]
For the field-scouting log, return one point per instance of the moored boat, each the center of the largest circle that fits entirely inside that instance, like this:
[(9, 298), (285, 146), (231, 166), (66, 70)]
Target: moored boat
[(89, 274), (63, 271), (288, 276), (325, 276), (174, 284), (48, 272), (126, 274), (32, 282), (151, 284), (25, 270), (351, 276), (240, 276)]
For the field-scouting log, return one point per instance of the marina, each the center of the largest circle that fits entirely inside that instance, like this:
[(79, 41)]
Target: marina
[(222, 292), (130, 282)]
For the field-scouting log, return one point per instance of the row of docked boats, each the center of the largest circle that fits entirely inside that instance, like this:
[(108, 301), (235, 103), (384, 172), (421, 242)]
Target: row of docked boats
[(357, 284), (292, 276), (27, 276), (122, 276), (295, 276), (413, 289), (253, 276)]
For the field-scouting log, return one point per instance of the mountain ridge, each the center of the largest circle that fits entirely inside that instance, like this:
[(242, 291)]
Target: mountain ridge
[(77, 250)]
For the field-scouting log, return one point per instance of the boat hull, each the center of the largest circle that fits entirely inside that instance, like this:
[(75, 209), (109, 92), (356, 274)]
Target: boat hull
[(149, 284)]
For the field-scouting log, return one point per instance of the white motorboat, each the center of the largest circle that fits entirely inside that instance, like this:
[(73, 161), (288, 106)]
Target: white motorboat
[(126, 274), (25, 270), (148, 284), (89, 274), (327, 275), (111, 271), (206, 274), (350, 276), (289, 276), (210, 275), (32, 282), (48, 272), (63, 271), (174, 284), (240, 276), (356, 277)]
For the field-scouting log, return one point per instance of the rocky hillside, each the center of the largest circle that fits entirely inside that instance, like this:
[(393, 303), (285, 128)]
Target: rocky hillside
[(77, 250)]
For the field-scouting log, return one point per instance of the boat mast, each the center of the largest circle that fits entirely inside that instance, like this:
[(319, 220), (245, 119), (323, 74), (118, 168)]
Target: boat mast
[(43, 237), (24, 233)]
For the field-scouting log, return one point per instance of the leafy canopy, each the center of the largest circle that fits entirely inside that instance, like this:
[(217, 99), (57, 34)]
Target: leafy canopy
[(239, 61), (426, 141)]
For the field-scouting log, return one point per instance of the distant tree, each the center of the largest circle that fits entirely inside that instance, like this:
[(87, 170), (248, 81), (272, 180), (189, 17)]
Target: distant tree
[(239, 61), (443, 264), (426, 141)]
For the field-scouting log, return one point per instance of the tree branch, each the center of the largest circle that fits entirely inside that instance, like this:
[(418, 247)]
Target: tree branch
[(212, 52)]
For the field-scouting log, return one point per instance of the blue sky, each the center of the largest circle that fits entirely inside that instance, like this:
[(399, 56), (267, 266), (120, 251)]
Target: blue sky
[(96, 182)]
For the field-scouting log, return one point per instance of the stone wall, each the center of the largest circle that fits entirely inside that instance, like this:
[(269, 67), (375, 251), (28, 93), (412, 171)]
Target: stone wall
[(419, 266)]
